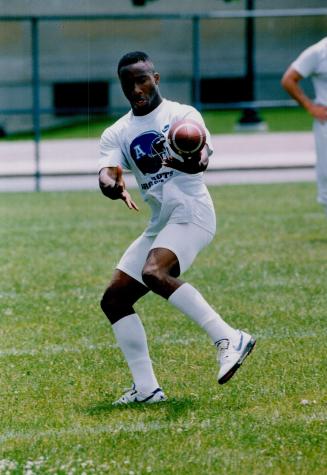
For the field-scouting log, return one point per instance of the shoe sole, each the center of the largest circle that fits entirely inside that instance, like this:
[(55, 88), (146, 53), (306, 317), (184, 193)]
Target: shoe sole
[(120, 404), (144, 401), (157, 401), (247, 350)]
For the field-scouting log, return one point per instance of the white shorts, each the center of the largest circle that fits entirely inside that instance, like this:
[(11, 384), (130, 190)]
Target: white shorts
[(320, 131), (184, 240)]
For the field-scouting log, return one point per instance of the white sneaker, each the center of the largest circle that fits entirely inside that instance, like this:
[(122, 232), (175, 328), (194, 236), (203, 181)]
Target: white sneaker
[(134, 396), (231, 355)]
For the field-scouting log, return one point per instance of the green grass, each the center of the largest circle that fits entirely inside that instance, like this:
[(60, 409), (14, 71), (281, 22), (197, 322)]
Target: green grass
[(278, 120), (218, 122), (59, 369)]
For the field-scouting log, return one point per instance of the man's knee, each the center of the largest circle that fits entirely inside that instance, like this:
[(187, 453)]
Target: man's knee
[(115, 307), (152, 276), (107, 301)]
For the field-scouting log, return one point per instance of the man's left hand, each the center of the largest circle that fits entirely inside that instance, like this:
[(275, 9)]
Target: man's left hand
[(191, 165)]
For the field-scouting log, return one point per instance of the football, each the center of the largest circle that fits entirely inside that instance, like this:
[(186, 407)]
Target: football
[(186, 137)]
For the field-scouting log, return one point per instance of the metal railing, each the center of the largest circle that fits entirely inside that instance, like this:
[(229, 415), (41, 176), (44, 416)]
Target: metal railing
[(196, 20)]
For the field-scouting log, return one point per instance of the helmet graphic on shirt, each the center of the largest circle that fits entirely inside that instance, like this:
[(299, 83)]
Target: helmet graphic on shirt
[(148, 150)]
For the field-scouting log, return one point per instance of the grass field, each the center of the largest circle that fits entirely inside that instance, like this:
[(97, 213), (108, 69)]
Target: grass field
[(218, 122), (60, 369)]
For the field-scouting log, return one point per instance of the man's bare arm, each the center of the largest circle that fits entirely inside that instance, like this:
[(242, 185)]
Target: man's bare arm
[(112, 185), (290, 82)]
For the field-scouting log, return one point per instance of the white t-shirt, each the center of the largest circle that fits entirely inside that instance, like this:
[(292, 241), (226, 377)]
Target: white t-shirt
[(137, 143), (313, 62)]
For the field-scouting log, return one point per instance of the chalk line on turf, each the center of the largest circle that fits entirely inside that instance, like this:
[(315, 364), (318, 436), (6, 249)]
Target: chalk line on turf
[(160, 340), (143, 427)]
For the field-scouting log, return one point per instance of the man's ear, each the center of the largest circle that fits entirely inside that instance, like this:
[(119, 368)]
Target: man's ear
[(157, 78)]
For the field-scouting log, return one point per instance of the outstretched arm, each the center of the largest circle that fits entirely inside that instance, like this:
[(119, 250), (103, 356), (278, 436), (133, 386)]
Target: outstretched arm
[(290, 82), (194, 164), (112, 185)]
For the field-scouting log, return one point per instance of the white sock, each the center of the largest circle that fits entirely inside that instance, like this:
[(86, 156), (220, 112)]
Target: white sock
[(131, 338), (189, 301)]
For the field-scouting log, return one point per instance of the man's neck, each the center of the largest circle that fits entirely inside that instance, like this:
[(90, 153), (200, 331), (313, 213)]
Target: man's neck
[(154, 105)]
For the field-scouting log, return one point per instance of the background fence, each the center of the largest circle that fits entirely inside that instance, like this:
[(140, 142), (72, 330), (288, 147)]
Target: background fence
[(61, 68)]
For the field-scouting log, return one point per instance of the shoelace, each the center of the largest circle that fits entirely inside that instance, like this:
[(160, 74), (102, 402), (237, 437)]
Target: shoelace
[(130, 391), (223, 346)]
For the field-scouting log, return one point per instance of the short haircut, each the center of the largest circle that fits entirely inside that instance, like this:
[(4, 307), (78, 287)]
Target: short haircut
[(132, 58)]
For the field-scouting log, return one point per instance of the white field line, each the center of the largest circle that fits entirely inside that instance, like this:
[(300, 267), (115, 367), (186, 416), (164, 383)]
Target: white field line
[(55, 349), (160, 340), (49, 228), (143, 427), (97, 430)]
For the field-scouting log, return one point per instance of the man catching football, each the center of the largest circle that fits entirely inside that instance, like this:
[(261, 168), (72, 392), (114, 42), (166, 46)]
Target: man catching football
[(182, 223)]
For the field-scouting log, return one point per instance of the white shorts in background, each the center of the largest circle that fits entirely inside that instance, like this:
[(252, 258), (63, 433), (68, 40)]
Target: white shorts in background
[(184, 240), (320, 132)]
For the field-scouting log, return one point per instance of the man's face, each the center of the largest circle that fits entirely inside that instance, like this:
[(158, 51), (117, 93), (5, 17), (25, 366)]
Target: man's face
[(140, 85)]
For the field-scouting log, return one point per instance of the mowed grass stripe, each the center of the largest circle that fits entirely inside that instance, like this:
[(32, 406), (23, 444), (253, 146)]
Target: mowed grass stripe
[(60, 368), (166, 341), (153, 426)]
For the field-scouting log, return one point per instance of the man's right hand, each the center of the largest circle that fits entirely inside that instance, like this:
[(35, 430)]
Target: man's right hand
[(318, 111), (112, 185), (291, 83)]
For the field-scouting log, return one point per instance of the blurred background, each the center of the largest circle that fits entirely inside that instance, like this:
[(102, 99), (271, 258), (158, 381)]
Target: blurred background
[(58, 62)]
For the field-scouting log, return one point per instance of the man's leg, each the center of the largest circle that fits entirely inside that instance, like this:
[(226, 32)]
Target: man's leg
[(117, 303), (160, 274), (320, 133)]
